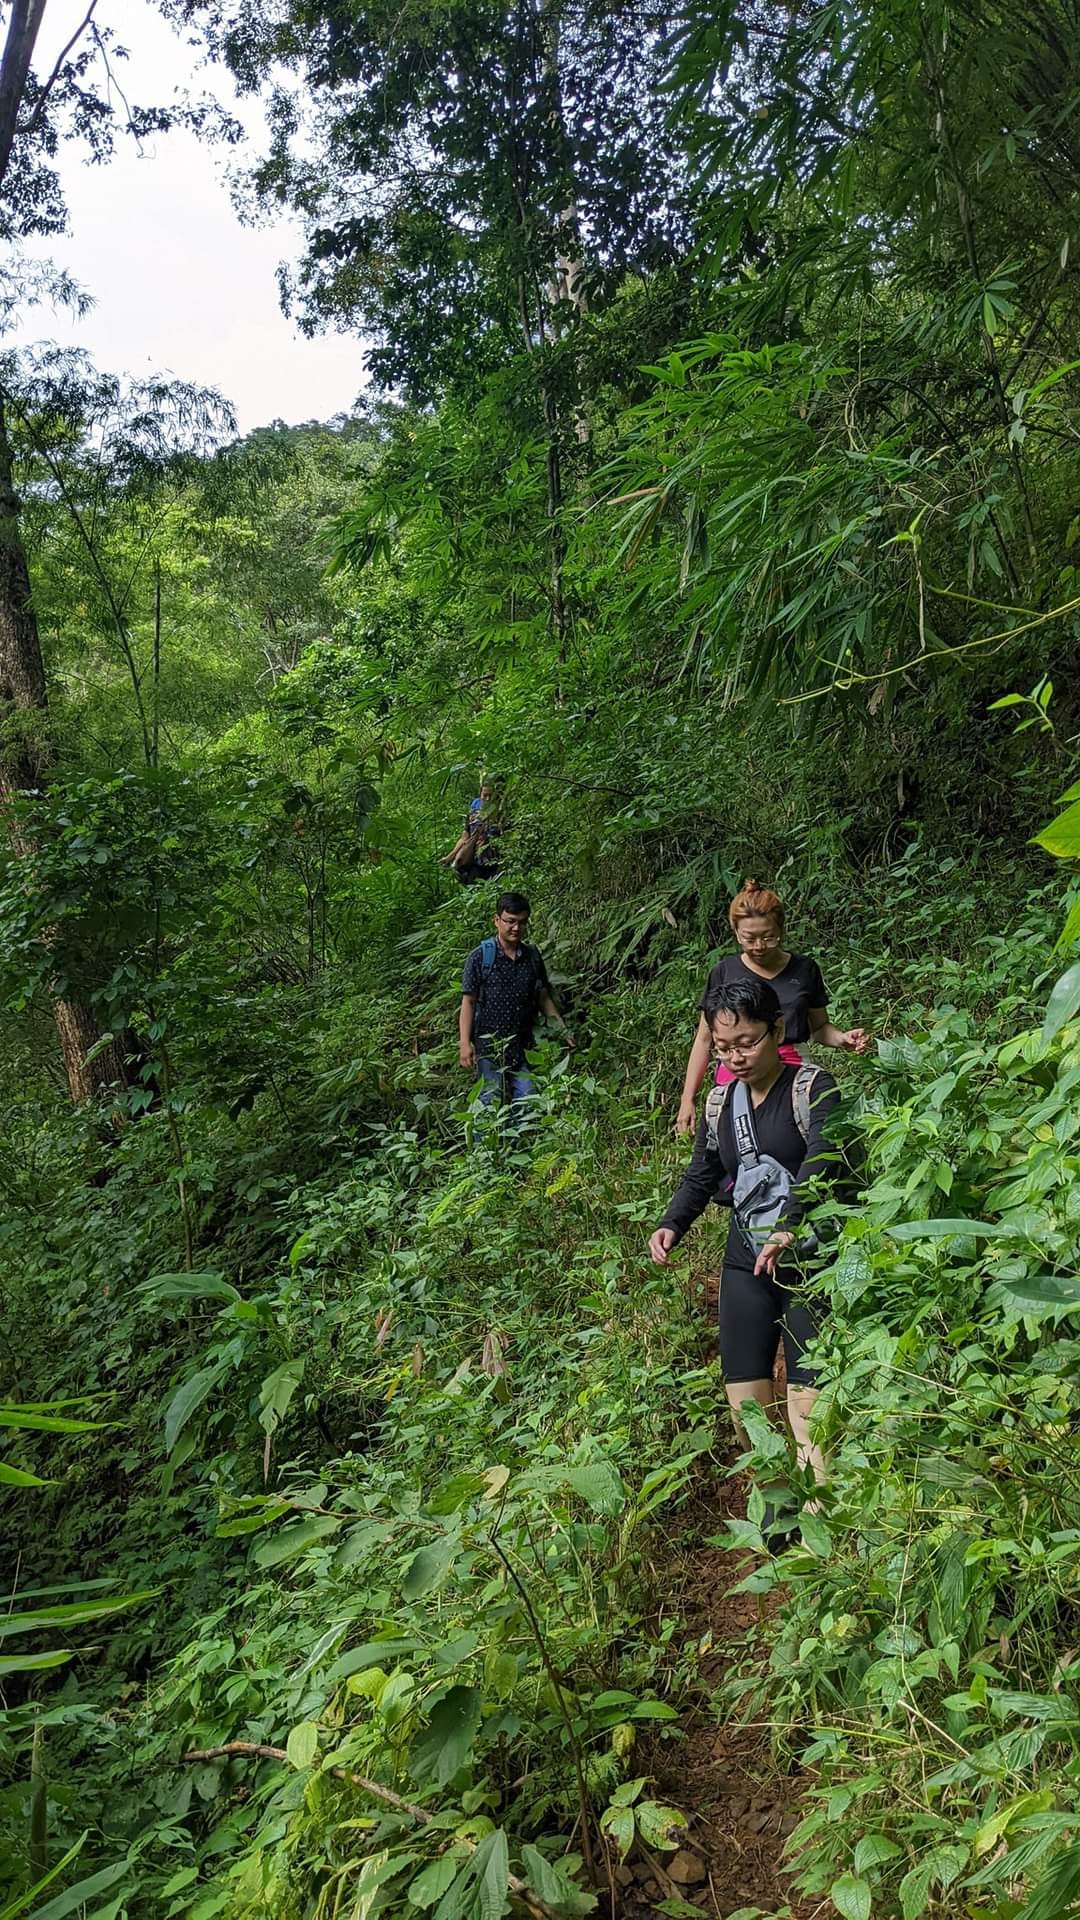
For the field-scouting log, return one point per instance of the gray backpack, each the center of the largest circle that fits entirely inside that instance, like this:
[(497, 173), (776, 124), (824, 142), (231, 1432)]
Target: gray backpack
[(762, 1186)]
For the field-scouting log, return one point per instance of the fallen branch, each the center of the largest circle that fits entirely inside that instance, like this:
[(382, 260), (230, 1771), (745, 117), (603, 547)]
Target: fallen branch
[(254, 1749)]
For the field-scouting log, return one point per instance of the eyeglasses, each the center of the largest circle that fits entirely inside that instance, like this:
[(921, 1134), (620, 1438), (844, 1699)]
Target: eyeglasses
[(512, 920), (743, 1046)]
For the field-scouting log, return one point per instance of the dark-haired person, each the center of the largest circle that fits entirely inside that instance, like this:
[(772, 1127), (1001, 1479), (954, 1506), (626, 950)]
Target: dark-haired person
[(476, 855), (760, 1298), (504, 987), (757, 920)]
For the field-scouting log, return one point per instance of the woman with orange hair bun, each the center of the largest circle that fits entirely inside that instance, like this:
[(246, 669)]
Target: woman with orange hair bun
[(757, 921)]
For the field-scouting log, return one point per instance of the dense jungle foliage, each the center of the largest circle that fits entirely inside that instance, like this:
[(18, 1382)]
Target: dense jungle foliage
[(716, 488)]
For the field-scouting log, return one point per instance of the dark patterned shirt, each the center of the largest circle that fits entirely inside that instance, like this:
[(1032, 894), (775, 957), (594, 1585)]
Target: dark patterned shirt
[(506, 1002)]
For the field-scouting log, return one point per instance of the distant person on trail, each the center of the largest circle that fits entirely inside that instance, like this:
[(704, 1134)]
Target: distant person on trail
[(504, 986), (476, 855), (762, 1138), (757, 921)]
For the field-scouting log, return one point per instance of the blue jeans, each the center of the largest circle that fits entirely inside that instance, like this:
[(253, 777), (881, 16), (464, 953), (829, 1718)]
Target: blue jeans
[(502, 1083)]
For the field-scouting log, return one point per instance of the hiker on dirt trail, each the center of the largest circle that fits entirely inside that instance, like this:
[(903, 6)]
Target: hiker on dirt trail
[(762, 1138), (504, 986), (476, 855), (757, 921)]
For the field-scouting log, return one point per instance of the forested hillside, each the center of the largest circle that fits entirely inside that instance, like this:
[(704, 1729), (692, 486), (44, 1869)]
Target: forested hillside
[(375, 1541)]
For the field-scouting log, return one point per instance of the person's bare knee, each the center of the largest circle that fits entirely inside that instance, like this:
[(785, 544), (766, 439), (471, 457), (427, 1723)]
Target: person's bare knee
[(800, 1406), (763, 1391)]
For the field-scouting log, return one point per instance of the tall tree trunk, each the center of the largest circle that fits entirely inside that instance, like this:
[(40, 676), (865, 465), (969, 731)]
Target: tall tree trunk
[(26, 17), (23, 763)]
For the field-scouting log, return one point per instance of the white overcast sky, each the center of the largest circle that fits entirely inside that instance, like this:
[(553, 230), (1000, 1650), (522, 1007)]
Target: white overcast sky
[(180, 285)]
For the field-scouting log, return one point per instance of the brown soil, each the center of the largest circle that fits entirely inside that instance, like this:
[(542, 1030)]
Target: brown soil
[(740, 1804)]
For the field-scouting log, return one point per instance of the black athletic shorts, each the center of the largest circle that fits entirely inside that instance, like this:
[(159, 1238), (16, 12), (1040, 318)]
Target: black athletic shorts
[(754, 1313)]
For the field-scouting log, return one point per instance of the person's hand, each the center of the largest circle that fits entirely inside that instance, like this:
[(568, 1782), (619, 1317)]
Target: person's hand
[(687, 1118), (661, 1244), (467, 1056), (568, 1039), (857, 1040), (770, 1253)]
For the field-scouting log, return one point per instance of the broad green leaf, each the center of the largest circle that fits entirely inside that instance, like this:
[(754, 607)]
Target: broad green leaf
[(302, 1744), (453, 1653), (395, 1698), (1056, 1893), (455, 1902), (187, 1399), (940, 1867), (480, 1888), (32, 1422), (1070, 932), (372, 1654), (437, 1876), (850, 1896), (991, 1830), (184, 1877), (276, 1392), (1062, 836), (816, 1534), (19, 1477), (188, 1286), (873, 1850), (620, 1823), (599, 1485), (447, 1739), (76, 1898), (26, 1899), (456, 1493), (659, 1826), (947, 1229), (1060, 373), (1063, 1003), (1043, 1294), (33, 1662), (427, 1567), (293, 1540), (376, 1870), (263, 1516), (71, 1614), (551, 1882), (492, 1873)]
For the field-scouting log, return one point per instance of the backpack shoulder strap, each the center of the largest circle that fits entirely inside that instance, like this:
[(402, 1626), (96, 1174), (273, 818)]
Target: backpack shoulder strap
[(742, 1121), (800, 1098), (715, 1108), (487, 956)]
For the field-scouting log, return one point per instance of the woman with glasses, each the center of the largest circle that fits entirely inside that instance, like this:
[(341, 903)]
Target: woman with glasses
[(757, 921), (761, 1300)]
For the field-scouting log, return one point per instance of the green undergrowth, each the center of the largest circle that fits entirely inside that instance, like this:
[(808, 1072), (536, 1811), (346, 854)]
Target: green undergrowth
[(395, 1464)]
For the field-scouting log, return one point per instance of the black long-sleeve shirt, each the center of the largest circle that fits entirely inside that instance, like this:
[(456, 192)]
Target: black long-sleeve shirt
[(709, 1175)]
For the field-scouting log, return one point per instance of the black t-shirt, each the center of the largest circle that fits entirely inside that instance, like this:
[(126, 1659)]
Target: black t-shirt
[(798, 987), (506, 1002), (709, 1175)]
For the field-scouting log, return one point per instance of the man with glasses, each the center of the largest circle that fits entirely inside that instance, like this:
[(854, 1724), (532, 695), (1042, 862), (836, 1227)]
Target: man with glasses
[(504, 986)]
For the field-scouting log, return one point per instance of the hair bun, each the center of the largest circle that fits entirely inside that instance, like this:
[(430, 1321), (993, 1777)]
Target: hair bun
[(752, 898)]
